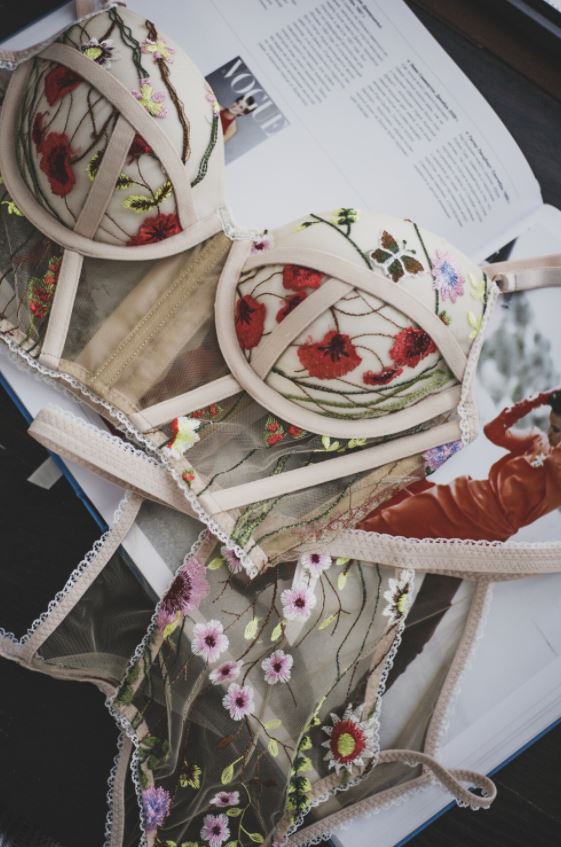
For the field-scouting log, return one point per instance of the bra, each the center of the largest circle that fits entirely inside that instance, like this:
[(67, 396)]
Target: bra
[(287, 369), (289, 383)]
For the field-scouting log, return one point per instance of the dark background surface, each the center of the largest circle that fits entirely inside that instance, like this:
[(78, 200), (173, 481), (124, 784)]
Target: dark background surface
[(56, 750)]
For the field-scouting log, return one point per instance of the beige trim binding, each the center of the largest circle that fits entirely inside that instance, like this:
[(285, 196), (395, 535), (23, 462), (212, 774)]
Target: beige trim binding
[(162, 413), (467, 558), (61, 309), (330, 469), (108, 456)]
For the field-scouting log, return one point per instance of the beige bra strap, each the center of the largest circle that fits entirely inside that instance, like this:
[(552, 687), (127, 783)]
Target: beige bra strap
[(81, 579), (330, 469), (375, 284), (481, 559), (131, 110), (198, 398), (525, 274), (108, 456)]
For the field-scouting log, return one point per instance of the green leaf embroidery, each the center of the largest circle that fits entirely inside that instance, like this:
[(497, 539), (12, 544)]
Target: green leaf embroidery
[(170, 628), (256, 837), (274, 724), (277, 632), (140, 203), (227, 774), (327, 621), (342, 580), (306, 743), (476, 288), (234, 812), (215, 564), (342, 560), (273, 747), (475, 324), (250, 630)]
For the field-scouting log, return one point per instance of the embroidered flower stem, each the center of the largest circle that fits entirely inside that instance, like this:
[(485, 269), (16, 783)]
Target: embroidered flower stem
[(429, 263), (129, 41), (164, 72), (346, 235)]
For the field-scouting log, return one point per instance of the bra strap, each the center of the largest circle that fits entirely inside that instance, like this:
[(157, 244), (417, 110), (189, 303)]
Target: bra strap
[(526, 274), (108, 456)]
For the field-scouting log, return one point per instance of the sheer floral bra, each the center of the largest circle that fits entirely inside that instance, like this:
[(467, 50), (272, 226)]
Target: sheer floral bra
[(279, 387)]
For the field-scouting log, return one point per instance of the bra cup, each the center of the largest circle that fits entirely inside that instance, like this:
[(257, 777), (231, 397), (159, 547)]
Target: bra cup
[(167, 171), (379, 351)]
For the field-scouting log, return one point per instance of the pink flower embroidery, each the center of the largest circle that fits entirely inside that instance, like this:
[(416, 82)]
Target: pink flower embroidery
[(158, 49), (277, 667), (153, 101), (209, 640), (215, 830), (187, 590), (315, 563), (225, 798), (225, 672), (238, 701), (297, 603), (447, 279), (234, 564)]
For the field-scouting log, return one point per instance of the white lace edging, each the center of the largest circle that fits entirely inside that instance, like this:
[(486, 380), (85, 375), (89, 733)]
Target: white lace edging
[(126, 426), (467, 409), (111, 790), (125, 725)]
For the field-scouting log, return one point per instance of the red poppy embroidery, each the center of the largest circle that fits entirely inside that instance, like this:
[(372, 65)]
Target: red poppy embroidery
[(138, 148), (297, 277), (60, 81), (382, 377), (290, 303), (156, 228), (56, 163), (411, 345), (38, 129), (250, 320), (333, 356), (295, 431)]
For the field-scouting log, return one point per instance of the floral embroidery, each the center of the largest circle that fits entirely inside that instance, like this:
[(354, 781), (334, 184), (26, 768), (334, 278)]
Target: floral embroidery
[(11, 208), (238, 701), (208, 412), (477, 288), (156, 804), (411, 345), (296, 277), (250, 321), (264, 242), (350, 742), (60, 81), (215, 830), (277, 667), (156, 228), (297, 603), (315, 563), (141, 203), (188, 477), (183, 435), (397, 597), (447, 279), (139, 147), (475, 324), (290, 303), (38, 129), (187, 590), (56, 163), (190, 776), (335, 355), (225, 672), (100, 52), (158, 49), (274, 431), (225, 798), (345, 217), (436, 456), (233, 562), (396, 261), (41, 290), (153, 101), (209, 640), (383, 377)]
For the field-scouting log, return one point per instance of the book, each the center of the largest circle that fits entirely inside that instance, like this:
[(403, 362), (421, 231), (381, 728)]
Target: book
[(353, 103)]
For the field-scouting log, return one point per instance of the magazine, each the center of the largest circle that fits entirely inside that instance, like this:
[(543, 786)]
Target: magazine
[(329, 103)]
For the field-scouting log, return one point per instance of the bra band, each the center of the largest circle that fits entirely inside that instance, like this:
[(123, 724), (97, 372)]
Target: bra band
[(447, 555)]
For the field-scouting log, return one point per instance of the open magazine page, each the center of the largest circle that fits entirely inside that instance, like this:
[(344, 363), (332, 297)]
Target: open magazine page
[(351, 103), (496, 713)]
